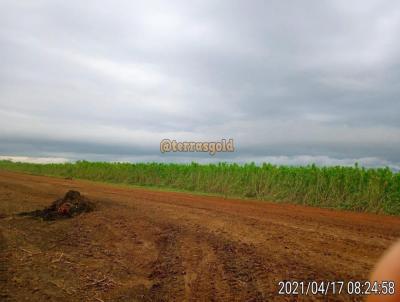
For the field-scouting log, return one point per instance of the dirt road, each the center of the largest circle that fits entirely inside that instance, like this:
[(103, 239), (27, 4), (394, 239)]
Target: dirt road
[(143, 245)]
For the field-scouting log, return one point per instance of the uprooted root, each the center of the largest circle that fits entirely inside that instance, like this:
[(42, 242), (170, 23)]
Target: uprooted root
[(72, 204)]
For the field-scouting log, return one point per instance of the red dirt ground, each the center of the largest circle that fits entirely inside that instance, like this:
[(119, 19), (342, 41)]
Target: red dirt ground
[(143, 245)]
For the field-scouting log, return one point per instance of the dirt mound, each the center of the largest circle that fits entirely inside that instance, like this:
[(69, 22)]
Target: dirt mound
[(72, 204)]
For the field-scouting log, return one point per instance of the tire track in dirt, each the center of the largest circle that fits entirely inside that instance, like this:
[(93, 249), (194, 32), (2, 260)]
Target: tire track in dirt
[(202, 273), (167, 271), (243, 269), (4, 273)]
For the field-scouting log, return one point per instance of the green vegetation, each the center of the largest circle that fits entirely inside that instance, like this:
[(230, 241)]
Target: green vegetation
[(350, 188)]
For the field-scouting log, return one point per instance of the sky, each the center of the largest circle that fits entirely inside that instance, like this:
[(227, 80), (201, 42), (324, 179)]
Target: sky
[(292, 82)]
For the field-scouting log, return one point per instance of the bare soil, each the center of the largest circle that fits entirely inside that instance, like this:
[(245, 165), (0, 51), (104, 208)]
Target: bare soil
[(144, 245)]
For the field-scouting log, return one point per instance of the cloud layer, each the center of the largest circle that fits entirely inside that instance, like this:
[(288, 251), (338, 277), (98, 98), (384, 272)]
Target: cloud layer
[(108, 80)]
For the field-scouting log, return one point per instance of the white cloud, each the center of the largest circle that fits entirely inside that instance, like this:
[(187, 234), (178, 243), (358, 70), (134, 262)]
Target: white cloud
[(302, 160), (35, 160)]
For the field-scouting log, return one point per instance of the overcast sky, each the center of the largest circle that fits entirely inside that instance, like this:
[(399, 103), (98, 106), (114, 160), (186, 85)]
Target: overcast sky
[(290, 81)]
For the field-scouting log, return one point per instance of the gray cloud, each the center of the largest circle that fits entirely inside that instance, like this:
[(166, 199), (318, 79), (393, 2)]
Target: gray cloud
[(109, 80)]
